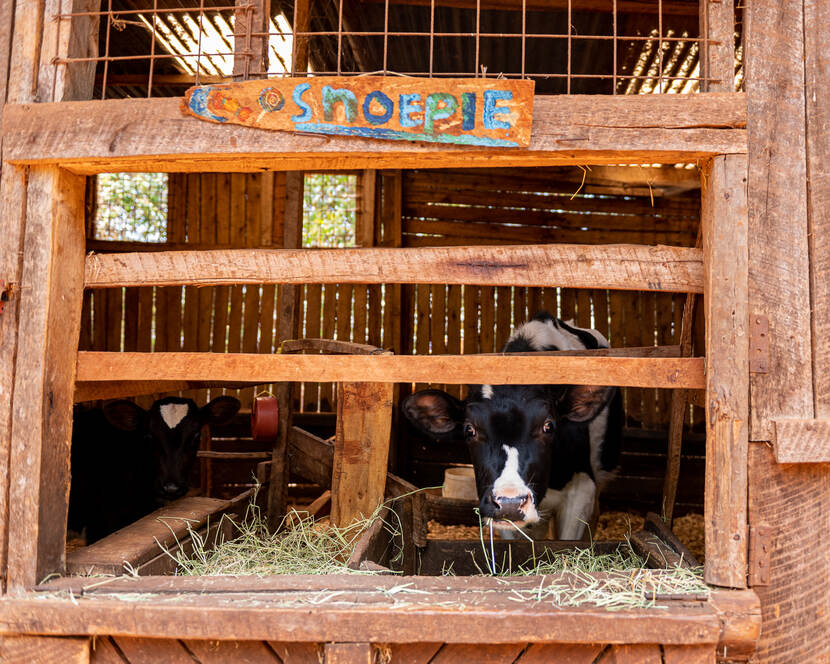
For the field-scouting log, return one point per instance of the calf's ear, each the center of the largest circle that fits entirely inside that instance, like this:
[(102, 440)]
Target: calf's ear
[(582, 403), (219, 410), (125, 415), (433, 412)]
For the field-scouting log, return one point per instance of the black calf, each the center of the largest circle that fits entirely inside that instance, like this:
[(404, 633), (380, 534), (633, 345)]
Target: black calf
[(127, 461), (535, 448)]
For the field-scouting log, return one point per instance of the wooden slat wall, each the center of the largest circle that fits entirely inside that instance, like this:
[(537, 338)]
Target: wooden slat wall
[(489, 206), (450, 207), (231, 210)]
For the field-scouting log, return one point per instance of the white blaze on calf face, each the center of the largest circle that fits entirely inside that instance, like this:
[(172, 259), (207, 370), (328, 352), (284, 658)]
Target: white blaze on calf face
[(173, 413), (511, 485), (487, 391)]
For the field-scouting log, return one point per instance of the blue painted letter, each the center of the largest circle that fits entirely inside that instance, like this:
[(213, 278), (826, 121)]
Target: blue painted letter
[(297, 96), (383, 100), (491, 98), (408, 105), (468, 110), (331, 96), (433, 112)]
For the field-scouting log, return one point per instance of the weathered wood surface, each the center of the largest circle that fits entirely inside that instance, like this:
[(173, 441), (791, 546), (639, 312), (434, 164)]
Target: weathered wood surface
[(802, 441), (817, 78), (739, 613), (689, 655), (141, 541), (44, 650), (627, 267), (348, 653), (310, 457), (779, 257), (462, 111), (51, 294), (632, 654), (682, 372), (153, 135), (450, 610), (717, 57), (119, 389), (725, 252), (361, 450), (792, 500), (544, 653)]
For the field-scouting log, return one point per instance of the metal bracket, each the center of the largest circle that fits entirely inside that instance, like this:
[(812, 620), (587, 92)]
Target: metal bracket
[(758, 344), (760, 545)]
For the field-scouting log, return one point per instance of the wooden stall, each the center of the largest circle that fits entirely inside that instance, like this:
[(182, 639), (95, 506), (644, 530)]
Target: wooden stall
[(700, 259)]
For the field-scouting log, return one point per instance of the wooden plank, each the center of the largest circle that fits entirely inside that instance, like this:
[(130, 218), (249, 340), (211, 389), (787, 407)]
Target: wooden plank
[(250, 48), (238, 652), (454, 111), (361, 449), (802, 441), (626, 267), (51, 297), (817, 77), (298, 653), (146, 651), (632, 654), (348, 653), (118, 389), (104, 652), (231, 616), (779, 266), (139, 542), (75, 38), (310, 457), (689, 655), (791, 500), (412, 653), (725, 250), (153, 135), (452, 653), (44, 650), (740, 616), (542, 653), (453, 369)]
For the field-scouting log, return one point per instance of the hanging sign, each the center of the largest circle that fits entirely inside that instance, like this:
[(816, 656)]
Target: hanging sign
[(463, 111)]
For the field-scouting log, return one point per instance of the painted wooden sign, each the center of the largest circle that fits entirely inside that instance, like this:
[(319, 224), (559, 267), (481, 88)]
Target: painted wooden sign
[(465, 111)]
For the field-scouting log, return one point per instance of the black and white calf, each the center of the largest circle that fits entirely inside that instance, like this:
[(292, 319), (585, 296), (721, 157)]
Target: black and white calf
[(127, 461), (536, 449)]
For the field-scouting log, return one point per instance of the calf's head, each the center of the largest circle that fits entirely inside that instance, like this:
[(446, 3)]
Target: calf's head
[(170, 433), (511, 433)]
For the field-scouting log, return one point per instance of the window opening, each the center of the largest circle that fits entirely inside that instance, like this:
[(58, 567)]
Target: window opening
[(329, 210), (132, 207)]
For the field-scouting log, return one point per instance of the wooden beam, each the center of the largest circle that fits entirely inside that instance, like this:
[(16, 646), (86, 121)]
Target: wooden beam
[(288, 316), (452, 369), (361, 450), (250, 51), (779, 252), (51, 296), (717, 60), (802, 441), (348, 653), (75, 37), (725, 252), (618, 267), (119, 389), (153, 135)]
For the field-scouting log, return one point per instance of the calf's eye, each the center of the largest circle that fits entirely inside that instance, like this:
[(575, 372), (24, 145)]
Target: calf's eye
[(547, 427), (469, 430)]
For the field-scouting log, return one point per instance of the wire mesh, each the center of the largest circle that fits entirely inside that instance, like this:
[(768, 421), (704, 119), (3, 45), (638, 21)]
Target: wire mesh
[(159, 47)]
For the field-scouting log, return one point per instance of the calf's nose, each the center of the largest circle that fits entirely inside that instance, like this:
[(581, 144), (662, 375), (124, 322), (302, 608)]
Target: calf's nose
[(511, 508), (172, 490)]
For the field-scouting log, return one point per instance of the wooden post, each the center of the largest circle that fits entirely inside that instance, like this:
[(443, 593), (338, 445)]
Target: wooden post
[(302, 22), (250, 49), (51, 296), (717, 60), (725, 252), (68, 38), (287, 317), (361, 448), (45, 649)]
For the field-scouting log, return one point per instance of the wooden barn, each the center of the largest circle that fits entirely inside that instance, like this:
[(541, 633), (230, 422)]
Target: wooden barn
[(670, 196)]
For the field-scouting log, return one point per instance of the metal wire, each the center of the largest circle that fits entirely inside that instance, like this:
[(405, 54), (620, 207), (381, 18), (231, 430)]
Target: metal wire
[(567, 47)]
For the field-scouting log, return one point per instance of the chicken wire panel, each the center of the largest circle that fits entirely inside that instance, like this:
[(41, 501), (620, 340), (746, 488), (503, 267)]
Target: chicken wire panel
[(161, 47)]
